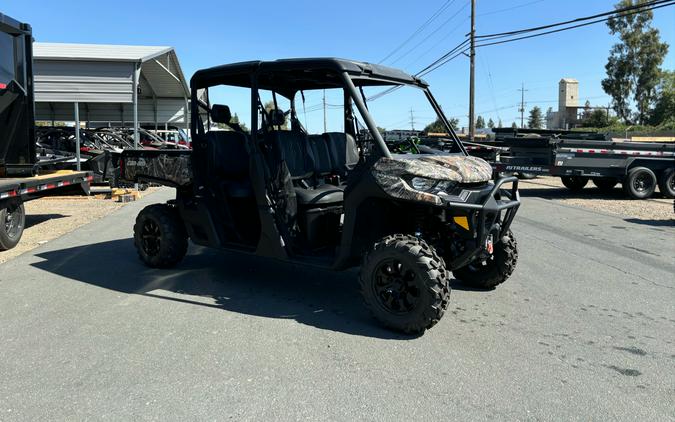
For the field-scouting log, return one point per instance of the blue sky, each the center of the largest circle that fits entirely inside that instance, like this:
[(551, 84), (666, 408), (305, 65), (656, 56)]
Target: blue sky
[(209, 32)]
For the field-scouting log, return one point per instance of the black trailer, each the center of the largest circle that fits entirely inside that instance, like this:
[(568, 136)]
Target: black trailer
[(21, 177), (577, 157)]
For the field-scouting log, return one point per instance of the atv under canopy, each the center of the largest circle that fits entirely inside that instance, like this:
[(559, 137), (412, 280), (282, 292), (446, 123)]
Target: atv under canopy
[(301, 74)]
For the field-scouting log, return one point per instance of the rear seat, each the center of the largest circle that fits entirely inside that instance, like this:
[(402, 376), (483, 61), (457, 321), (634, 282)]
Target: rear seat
[(296, 149)]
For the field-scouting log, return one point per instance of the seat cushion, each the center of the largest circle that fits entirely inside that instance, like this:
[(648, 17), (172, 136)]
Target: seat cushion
[(320, 195)]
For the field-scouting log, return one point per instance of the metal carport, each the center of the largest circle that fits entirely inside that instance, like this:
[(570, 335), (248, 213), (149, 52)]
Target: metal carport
[(110, 83)]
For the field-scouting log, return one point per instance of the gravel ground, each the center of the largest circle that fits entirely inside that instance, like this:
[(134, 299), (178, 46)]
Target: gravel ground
[(51, 217), (656, 209)]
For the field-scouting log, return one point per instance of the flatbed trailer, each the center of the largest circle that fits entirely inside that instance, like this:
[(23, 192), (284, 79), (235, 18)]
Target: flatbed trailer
[(579, 157), (21, 176), (15, 191)]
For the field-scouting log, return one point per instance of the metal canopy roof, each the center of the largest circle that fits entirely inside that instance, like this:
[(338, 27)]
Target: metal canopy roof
[(104, 73), (97, 52), (103, 80)]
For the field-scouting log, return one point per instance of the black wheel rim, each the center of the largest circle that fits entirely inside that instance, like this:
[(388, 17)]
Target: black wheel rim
[(151, 238), (671, 182), (642, 182), (395, 287), (12, 221)]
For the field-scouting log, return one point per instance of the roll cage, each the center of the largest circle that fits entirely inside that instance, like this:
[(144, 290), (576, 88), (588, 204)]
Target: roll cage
[(289, 77)]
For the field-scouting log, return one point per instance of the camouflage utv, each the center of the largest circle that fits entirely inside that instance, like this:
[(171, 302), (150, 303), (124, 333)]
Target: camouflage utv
[(335, 199)]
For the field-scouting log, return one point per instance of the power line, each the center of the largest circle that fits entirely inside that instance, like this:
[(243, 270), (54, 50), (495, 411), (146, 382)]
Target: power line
[(441, 26), (510, 8), (522, 105), (421, 28), (626, 11)]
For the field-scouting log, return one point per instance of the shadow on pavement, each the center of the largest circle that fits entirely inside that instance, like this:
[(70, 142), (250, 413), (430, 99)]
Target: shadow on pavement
[(35, 219), (653, 223), (564, 193), (234, 282)]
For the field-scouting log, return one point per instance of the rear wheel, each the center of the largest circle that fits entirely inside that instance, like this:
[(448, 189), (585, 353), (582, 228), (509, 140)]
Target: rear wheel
[(605, 184), (574, 183), (12, 223), (160, 236), (667, 183), (489, 273), (640, 183), (404, 283)]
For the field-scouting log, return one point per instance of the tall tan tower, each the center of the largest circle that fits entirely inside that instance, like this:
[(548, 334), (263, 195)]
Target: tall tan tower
[(568, 101)]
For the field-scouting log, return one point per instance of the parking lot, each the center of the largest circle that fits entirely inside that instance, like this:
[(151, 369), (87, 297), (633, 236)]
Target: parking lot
[(583, 330)]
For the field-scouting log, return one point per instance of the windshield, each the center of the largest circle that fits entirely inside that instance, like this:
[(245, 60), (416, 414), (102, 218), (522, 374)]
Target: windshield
[(408, 122)]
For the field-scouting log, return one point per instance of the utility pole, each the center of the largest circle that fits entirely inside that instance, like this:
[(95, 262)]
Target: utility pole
[(412, 120), (324, 112), (472, 73), (522, 106)]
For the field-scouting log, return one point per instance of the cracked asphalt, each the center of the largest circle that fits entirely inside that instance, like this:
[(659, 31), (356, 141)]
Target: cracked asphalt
[(584, 330)]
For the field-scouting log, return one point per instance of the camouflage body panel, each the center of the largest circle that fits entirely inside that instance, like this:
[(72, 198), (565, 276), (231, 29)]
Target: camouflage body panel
[(176, 169), (390, 172)]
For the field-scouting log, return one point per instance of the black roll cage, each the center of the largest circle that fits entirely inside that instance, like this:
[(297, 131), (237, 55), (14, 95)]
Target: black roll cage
[(330, 74)]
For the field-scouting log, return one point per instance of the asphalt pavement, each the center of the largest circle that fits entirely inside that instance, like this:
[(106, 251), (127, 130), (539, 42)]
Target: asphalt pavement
[(584, 330)]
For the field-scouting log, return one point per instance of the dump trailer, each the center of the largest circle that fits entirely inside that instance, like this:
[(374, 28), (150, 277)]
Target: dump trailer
[(21, 178), (577, 157)]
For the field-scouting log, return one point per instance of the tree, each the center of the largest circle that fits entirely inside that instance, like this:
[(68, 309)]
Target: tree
[(587, 110), (535, 121), (633, 66), (664, 109), (438, 127), (514, 125), (499, 125), (596, 118), (491, 124), (480, 122)]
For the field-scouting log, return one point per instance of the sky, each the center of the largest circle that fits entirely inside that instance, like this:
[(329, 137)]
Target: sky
[(209, 33)]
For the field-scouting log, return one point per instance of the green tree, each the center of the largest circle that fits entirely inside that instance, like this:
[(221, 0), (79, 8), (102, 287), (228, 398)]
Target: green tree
[(633, 66), (438, 127), (491, 123), (664, 108), (480, 122), (535, 121), (596, 118), (499, 124), (514, 125)]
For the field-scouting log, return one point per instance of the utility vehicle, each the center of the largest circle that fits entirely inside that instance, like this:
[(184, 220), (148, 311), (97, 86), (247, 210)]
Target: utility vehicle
[(334, 199)]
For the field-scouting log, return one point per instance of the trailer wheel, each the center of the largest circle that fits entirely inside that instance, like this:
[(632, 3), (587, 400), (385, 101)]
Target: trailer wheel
[(667, 183), (640, 183), (12, 223), (605, 184), (574, 183), (160, 236)]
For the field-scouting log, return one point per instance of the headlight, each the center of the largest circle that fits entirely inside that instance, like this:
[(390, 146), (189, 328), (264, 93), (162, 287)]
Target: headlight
[(431, 185)]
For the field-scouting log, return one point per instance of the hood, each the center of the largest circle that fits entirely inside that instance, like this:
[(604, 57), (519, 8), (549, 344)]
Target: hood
[(391, 172), (458, 168)]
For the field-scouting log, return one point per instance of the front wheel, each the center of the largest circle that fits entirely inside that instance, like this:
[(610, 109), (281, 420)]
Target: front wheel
[(160, 236), (12, 223), (405, 284), (493, 271)]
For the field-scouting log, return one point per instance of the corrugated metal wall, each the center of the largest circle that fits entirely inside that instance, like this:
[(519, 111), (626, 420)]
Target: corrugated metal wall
[(83, 81)]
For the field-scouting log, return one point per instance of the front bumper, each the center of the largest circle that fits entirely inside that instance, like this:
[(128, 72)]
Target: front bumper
[(492, 216)]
